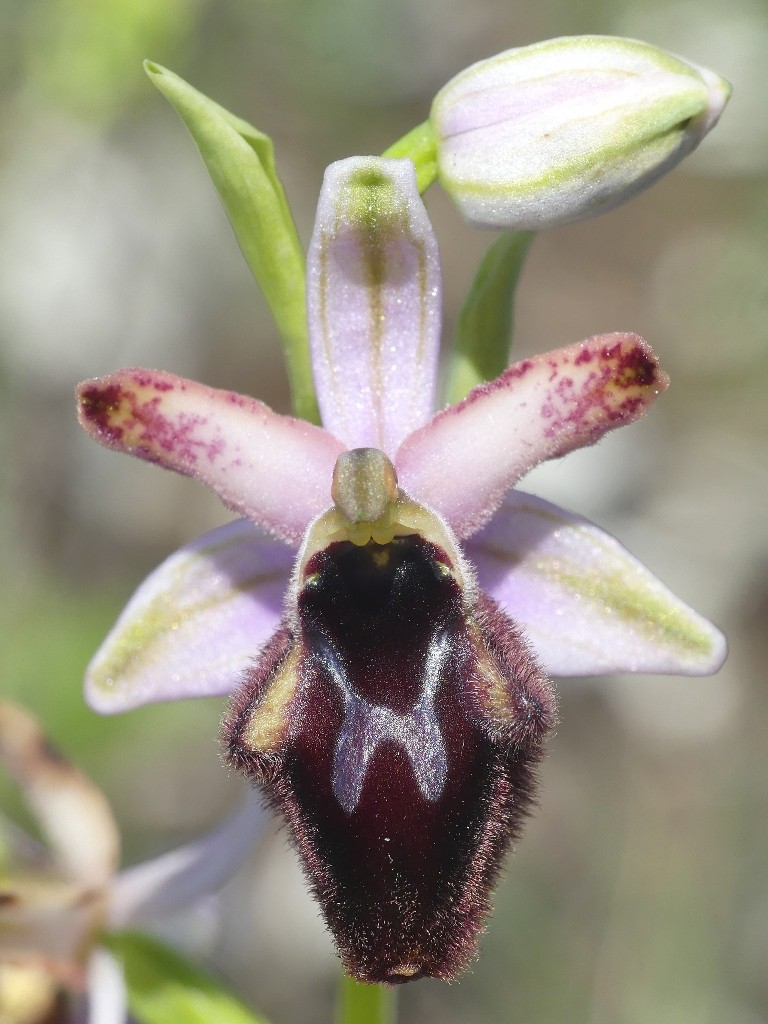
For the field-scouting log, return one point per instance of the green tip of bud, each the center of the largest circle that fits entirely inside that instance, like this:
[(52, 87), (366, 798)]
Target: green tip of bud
[(372, 199), (369, 177)]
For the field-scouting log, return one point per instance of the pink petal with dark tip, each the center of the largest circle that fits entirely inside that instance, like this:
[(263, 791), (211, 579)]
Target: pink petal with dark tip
[(274, 469), (586, 605), (195, 623), (373, 301), (468, 456)]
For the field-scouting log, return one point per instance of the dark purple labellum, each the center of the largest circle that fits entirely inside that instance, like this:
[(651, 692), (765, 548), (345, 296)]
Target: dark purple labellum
[(397, 726)]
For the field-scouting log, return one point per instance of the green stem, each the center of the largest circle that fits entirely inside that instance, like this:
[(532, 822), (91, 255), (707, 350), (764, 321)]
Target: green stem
[(420, 146), (357, 1003)]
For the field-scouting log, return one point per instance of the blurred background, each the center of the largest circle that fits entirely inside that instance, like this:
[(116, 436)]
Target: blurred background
[(640, 890)]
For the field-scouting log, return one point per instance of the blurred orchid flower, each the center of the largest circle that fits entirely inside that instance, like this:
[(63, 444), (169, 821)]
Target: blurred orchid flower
[(395, 714), (568, 128), (53, 915)]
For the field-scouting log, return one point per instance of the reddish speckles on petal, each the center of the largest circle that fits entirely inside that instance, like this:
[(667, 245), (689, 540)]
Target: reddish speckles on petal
[(97, 407), (155, 382), (520, 369), (636, 367), (539, 409), (239, 401), (633, 365), (130, 416), (274, 469), (614, 390)]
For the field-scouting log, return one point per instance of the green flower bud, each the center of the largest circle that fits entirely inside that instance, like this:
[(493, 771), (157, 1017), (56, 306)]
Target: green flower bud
[(566, 129)]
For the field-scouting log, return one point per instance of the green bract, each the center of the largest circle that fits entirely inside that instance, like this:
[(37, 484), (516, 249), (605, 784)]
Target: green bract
[(240, 161)]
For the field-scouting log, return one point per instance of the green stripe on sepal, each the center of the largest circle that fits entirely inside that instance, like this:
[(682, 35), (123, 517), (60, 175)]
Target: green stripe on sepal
[(484, 330), (164, 988), (240, 161)]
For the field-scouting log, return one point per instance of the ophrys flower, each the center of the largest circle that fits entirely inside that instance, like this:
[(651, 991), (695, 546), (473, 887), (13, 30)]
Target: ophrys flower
[(395, 713)]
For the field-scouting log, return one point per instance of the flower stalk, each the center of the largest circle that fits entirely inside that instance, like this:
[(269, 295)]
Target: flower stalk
[(358, 1003), (419, 146)]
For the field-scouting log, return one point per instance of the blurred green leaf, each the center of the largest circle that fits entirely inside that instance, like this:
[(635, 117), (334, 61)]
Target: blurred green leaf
[(484, 331), (82, 56), (164, 988), (240, 161)]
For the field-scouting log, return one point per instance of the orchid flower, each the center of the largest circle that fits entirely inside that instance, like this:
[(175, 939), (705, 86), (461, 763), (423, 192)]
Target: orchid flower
[(388, 610), (52, 917)]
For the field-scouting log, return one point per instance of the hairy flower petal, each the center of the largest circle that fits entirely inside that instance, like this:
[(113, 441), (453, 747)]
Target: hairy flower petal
[(274, 469), (174, 880), (373, 299), (192, 627), (72, 812), (585, 603), (396, 721), (468, 456)]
